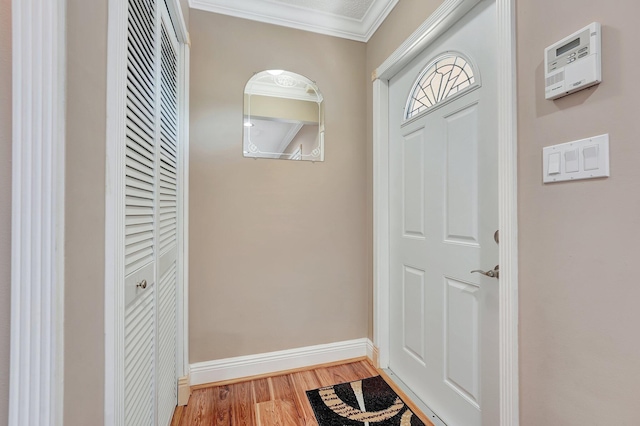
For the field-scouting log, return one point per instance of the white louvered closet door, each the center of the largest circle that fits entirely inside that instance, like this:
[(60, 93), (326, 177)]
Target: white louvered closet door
[(140, 221), (151, 168)]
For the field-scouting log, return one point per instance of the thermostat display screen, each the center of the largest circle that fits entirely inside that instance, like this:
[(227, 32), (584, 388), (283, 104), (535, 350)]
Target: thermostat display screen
[(567, 47)]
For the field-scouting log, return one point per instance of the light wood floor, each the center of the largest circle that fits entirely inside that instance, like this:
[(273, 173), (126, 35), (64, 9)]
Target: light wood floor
[(268, 401)]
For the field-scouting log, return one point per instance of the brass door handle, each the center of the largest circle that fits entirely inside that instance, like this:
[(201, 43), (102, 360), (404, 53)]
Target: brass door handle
[(494, 273), (142, 284)]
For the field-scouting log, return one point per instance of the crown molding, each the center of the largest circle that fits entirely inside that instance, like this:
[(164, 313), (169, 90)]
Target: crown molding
[(302, 18)]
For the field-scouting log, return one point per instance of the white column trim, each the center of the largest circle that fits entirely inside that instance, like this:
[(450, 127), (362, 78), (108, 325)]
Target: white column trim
[(381, 232), (115, 213), (37, 246), (442, 19), (508, 211)]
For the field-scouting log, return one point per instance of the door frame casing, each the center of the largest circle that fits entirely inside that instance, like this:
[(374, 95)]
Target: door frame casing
[(115, 206), (440, 21)]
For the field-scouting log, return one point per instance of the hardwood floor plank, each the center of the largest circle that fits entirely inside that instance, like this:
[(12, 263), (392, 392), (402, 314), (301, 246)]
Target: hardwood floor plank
[(177, 416), (305, 380), (199, 412), (287, 412), (242, 408), (338, 374), (364, 369), (222, 406), (370, 368), (277, 413), (265, 412), (261, 391), (302, 382), (282, 388), (324, 376)]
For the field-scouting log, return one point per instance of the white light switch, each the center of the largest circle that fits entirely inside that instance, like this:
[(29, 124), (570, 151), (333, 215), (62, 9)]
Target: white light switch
[(554, 163), (590, 157), (571, 162), (581, 159)]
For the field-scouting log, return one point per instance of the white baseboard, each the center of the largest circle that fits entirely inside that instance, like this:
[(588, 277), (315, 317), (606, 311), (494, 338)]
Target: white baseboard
[(371, 350), (273, 362), (184, 390)]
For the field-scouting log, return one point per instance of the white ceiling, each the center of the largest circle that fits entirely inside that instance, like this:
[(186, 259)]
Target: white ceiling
[(351, 19)]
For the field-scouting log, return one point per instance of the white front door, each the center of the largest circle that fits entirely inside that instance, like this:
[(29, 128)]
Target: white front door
[(443, 216)]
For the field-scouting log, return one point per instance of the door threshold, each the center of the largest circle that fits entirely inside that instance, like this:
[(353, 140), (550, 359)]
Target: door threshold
[(389, 375)]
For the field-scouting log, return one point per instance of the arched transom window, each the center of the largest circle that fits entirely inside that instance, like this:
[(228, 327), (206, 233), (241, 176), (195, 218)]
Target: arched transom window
[(448, 75)]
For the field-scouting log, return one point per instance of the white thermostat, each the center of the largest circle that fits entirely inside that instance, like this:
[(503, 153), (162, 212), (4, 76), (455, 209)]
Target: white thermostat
[(573, 63)]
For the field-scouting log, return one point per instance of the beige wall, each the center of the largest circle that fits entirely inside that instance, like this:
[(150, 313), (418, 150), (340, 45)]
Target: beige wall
[(5, 205), (84, 216), (403, 20), (278, 248), (579, 292)]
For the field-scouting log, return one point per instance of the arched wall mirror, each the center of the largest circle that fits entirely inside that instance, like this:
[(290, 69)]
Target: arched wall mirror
[(283, 117)]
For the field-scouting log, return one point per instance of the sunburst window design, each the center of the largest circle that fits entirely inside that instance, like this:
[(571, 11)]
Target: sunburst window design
[(446, 76)]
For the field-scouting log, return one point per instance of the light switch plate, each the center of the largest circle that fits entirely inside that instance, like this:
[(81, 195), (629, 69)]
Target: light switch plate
[(592, 160)]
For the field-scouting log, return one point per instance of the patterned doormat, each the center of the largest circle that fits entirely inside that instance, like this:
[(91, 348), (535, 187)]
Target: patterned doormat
[(364, 402)]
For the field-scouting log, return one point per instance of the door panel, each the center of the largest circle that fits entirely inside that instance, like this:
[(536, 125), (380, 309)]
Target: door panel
[(413, 312), (461, 339), (413, 184), (461, 176)]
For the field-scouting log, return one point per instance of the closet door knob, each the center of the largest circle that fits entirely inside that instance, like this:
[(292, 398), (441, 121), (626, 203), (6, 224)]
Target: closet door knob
[(142, 284)]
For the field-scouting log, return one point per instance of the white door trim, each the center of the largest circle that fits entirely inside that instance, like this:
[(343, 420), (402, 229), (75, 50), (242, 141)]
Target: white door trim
[(37, 244), (115, 206), (182, 296), (183, 227), (442, 19)]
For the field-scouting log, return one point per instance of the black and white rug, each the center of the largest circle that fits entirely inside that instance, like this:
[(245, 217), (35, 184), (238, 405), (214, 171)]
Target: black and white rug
[(368, 402)]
